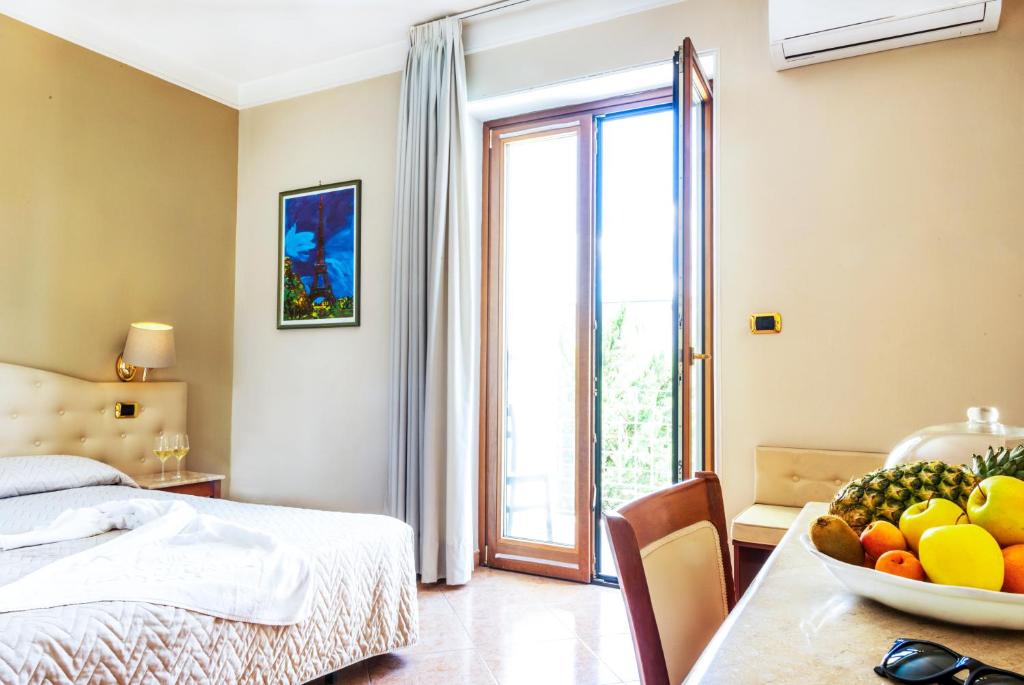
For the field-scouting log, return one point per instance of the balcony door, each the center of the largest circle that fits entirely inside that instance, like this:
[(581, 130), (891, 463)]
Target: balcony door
[(538, 375), (595, 257)]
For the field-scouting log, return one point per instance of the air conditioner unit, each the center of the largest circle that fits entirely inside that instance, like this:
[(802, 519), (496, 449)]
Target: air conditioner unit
[(809, 31)]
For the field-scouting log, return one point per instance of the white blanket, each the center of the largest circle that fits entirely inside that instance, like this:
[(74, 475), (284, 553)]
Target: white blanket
[(172, 555)]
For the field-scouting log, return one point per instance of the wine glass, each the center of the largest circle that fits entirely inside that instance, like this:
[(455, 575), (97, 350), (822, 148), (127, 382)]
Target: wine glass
[(162, 450), (180, 450)]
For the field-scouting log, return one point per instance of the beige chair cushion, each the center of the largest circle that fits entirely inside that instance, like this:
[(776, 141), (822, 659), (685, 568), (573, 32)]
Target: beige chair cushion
[(791, 477), (686, 580), (763, 524)]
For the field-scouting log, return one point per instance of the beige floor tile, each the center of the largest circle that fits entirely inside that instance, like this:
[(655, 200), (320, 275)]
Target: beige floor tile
[(433, 603), (616, 651), (560, 661), (440, 629), (462, 667), (592, 615), (510, 625), (562, 591), (510, 628), (483, 594)]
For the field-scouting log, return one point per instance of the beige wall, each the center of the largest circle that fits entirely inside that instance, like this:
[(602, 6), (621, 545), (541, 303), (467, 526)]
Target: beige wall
[(310, 405), (117, 203), (873, 201)]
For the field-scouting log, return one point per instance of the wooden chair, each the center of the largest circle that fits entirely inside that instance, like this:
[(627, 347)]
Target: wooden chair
[(672, 554)]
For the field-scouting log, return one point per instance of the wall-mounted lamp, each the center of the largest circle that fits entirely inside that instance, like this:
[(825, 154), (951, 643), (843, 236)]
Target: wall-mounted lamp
[(149, 346)]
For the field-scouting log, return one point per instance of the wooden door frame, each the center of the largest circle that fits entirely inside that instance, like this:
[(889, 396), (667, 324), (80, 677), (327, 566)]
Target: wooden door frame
[(490, 362), (565, 563), (688, 57)]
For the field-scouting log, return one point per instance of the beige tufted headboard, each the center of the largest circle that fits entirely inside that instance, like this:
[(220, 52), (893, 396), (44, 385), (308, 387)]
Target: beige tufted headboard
[(48, 413)]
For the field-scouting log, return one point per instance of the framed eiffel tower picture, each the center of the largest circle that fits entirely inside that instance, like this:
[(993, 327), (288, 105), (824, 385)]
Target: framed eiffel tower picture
[(318, 260)]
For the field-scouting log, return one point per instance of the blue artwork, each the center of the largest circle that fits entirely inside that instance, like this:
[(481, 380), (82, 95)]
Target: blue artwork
[(319, 246)]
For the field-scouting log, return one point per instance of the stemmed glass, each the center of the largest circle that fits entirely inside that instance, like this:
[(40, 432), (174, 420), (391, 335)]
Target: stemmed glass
[(180, 449), (162, 450)]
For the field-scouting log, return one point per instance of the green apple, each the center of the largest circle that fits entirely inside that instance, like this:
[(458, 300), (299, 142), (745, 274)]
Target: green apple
[(963, 554), (917, 518), (997, 505)]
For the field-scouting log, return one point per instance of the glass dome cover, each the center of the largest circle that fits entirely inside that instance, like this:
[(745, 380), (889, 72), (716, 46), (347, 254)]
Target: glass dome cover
[(956, 443)]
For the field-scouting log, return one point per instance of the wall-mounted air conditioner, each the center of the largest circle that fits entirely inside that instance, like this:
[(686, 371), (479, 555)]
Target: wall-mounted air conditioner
[(808, 31)]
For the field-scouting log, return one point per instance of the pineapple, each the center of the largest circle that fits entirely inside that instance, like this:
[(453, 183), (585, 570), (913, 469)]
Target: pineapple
[(885, 493), (1001, 462)]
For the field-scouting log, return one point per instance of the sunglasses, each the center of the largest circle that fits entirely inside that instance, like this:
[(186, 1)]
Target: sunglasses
[(920, 662)]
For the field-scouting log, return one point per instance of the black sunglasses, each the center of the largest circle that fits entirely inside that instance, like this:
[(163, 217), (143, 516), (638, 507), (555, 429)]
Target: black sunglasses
[(920, 662)]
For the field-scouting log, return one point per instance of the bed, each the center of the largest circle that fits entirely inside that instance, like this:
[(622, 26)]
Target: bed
[(365, 598)]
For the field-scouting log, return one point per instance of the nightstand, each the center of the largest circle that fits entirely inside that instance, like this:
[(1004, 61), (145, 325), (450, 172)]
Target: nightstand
[(190, 483)]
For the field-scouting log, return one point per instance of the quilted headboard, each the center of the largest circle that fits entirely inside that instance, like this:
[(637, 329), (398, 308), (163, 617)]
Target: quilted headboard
[(48, 413)]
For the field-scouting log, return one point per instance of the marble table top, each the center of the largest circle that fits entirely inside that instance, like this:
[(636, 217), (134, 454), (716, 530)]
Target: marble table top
[(796, 624), (151, 481)]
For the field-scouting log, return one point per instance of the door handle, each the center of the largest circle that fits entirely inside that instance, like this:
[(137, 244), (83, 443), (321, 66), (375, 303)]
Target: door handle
[(694, 356)]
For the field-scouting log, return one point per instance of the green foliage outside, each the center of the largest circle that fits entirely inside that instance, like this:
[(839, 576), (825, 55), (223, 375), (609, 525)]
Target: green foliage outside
[(636, 418)]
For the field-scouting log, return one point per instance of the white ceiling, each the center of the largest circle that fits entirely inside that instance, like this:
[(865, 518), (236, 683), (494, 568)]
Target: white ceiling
[(249, 52)]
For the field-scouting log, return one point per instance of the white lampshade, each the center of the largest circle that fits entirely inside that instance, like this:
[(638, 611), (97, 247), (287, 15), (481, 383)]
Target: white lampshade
[(150, 345)]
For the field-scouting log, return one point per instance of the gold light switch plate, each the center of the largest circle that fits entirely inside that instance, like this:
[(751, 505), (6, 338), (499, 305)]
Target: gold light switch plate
[(126, 410), (766, 322)]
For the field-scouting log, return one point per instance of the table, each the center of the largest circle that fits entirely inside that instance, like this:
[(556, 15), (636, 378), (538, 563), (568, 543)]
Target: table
[(190, 483), (796, 624)]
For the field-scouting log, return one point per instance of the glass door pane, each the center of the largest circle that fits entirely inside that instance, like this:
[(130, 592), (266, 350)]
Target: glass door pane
[(636, 306), (694, 254), (539, 426), (539, 332)]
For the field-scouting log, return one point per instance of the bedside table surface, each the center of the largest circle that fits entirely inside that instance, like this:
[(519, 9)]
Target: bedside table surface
[(151, 481)]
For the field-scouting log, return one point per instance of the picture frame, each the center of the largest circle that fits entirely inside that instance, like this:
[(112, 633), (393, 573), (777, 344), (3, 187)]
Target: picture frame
[(318, 264)]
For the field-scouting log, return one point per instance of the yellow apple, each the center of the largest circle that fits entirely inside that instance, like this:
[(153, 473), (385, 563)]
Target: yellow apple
[(963, 554), (917, 518), (997, 505)]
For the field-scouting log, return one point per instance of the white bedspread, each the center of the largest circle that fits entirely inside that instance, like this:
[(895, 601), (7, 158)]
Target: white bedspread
[(173, 556), (364, 603)]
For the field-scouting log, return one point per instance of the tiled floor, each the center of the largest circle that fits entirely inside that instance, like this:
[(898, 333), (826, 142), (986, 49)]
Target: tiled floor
[(511, 629)]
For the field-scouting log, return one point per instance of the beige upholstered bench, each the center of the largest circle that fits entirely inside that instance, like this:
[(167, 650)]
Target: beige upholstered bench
[(786, 479)]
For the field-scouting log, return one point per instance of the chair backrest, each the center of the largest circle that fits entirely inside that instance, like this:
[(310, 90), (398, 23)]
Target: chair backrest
[(671, 551), (792, 477)]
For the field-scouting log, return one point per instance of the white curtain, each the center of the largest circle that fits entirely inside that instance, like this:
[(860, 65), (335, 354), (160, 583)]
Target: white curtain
[(435, 316)]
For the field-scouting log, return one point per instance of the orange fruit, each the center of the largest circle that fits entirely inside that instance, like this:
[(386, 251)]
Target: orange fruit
[(1013, 578), (881, 537), (902, 563)]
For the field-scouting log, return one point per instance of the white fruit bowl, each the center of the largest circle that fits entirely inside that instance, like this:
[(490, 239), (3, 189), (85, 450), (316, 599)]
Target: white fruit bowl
[(964, 605)]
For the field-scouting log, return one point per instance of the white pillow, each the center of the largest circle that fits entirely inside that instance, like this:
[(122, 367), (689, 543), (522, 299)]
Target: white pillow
[(30, 475)]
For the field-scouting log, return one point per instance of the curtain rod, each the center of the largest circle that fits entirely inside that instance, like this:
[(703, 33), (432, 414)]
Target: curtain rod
[(476, 12)]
